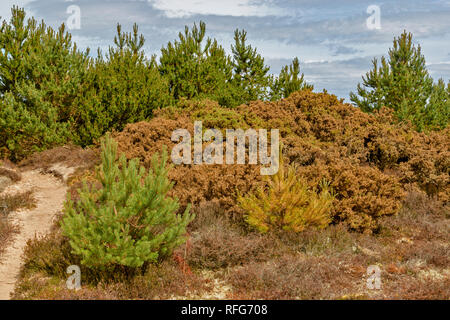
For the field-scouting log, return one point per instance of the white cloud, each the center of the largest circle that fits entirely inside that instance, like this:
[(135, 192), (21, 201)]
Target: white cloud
[(6, 5), (329, 37), (237, 8)]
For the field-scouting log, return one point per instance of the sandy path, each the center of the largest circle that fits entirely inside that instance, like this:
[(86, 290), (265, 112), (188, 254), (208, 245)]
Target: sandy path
[(49, 193)]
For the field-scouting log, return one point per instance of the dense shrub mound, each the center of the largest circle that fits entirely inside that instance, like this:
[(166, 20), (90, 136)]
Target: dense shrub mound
[(192, 183), (368, 159)]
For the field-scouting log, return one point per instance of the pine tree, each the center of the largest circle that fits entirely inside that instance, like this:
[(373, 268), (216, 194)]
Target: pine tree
[(41, 71), (402, 83), (437, 111), (288, 81), (130, 221), (195, 68), (124, 87), (250, 74)]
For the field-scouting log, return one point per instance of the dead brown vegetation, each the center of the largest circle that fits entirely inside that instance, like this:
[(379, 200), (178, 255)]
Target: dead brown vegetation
[(70, 155), (367, 158), (8, 204)]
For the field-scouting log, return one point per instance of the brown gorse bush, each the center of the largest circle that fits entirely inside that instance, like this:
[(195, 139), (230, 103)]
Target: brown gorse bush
[(367, 159)]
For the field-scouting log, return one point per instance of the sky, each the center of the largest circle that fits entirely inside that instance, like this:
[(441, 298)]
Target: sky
[(335, 40)]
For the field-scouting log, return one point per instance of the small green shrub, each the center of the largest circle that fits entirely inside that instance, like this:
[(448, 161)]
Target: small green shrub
[(130, 221)]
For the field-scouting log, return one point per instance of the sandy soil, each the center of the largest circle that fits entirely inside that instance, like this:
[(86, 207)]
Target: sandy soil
[(49, 193)]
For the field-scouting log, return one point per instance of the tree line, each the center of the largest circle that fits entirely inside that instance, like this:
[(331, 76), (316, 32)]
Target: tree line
[(51, 92)]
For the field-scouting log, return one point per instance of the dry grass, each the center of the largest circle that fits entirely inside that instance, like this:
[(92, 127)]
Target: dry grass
[(159, 282), (12, 202), (11, 174), (70, 155), (291, 277), (7, 230), (215, 242), (411, 249), (8, 204)]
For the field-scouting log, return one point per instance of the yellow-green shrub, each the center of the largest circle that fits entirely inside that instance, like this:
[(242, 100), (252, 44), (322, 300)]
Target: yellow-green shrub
[(287, 203)]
